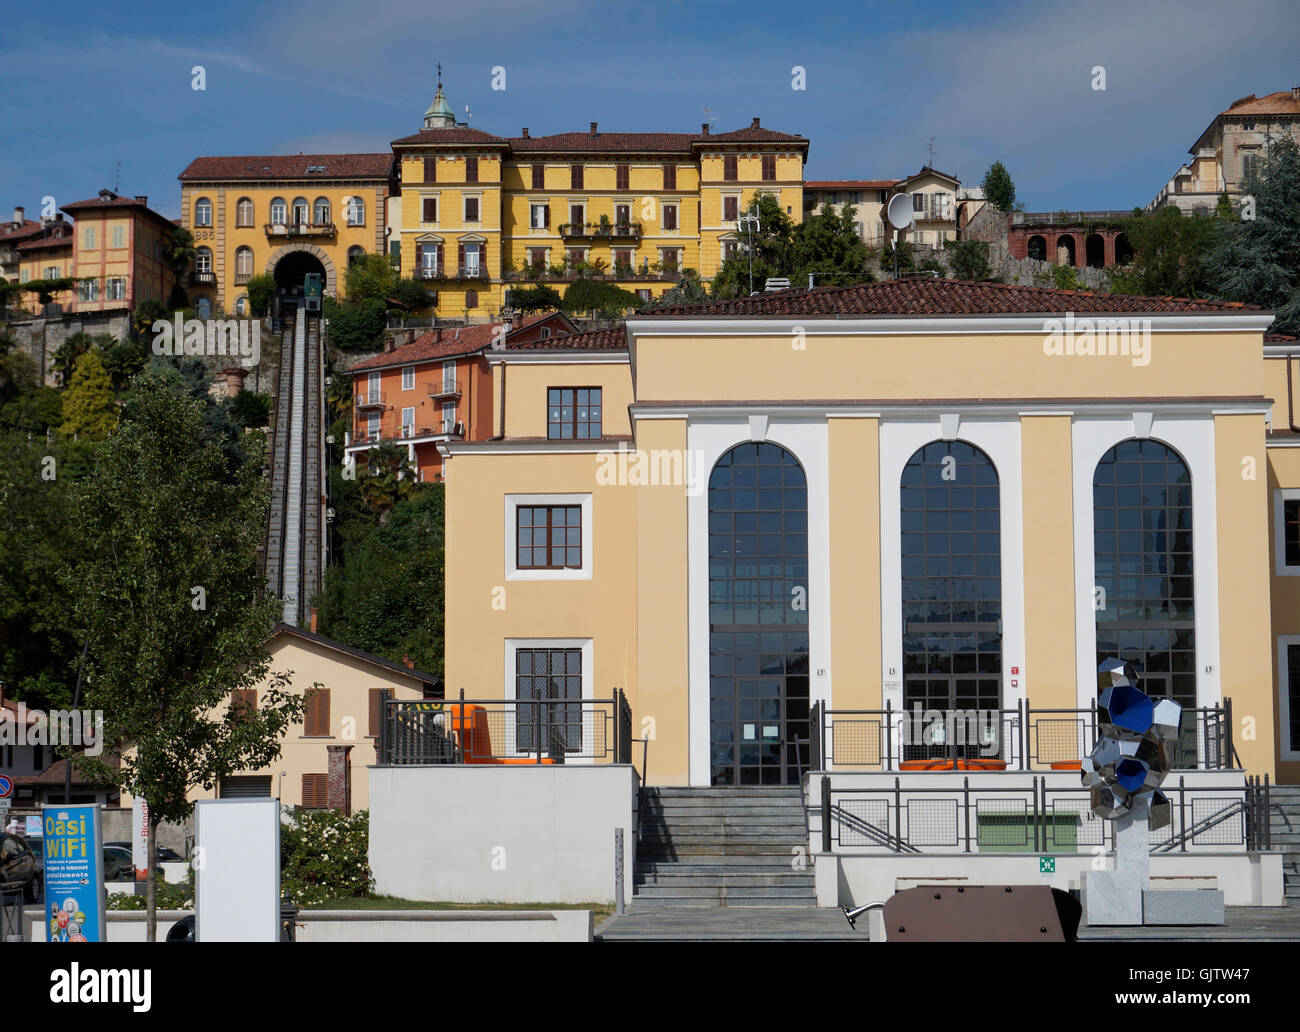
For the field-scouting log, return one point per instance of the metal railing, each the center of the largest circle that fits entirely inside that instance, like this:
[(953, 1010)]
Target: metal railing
[(505, 731), (1015, 815), (1023, 738)]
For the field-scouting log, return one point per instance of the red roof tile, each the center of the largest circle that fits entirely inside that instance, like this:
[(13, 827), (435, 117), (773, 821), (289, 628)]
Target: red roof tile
[(461, 135), (752, 134), (455, 341), (1284, 102), (593, 340), (10, 234), (928, 296), (289, 166), (582, 143), (42, 242), (851, 184)]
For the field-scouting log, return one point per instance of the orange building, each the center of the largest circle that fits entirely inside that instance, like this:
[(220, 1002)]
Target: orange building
[(437, 388), (120, 255)]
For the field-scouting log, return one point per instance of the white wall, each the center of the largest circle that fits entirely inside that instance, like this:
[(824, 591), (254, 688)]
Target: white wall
[(479, 834)]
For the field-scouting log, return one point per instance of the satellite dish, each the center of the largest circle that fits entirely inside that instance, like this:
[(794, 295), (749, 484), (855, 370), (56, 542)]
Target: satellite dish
[(899, 211)]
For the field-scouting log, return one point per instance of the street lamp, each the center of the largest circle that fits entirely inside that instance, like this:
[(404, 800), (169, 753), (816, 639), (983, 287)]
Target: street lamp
[(750, 224)]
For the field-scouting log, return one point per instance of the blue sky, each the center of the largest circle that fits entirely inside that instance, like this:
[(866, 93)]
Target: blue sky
[(87, 86)]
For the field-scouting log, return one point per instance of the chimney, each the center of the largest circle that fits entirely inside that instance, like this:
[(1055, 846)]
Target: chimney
[(234, 380), (525, 132), (704, 128), (20, 215), (389, 344), (1295, 94), (313, 619), (754, 124), (593, 128), (407, 661), (143, 199)]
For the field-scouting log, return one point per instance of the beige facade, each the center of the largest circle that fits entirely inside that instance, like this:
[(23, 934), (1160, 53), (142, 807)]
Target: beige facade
[(852, 398)]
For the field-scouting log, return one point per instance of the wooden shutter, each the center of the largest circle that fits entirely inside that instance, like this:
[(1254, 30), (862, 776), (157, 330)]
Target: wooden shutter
[(471, 169), (430, 170), (315, 791), (376, 712), (546, 216), (621, 177), (244, 699), (419, 258), (317, 717), (575, 177), (441, 267), (482, 258), (670, 177), (460, 258), (539, 175), (430, 213)]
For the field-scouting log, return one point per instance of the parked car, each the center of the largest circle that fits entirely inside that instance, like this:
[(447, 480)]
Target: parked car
[(164, 854), (18, 868)]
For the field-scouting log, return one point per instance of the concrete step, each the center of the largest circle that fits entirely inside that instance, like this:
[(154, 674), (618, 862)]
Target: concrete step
[(792, 880), (713, 901)]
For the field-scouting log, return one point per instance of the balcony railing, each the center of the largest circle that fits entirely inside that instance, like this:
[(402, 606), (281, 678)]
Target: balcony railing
[(477, 272), (300, 229), (533, 274), (371, 400), (445, 389), (203, 278), (242, 277), (392, 430), (601, 230), (505, 732)]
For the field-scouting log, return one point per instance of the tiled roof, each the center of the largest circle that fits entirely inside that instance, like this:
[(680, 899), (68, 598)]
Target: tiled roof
[(1283, 102), (459, 135), (457, 340), (1278, 338), (289, 166), (659, 143), (56, 774), (850, 184), (115, 201), (929, 296), (368, 657), (593, 340), (50, 241), (752, 134), (9, 233)]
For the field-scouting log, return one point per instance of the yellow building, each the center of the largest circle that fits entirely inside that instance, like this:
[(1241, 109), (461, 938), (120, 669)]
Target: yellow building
[(281, 215), (46, 257), (121, 252), (792, 509), (481, 213)]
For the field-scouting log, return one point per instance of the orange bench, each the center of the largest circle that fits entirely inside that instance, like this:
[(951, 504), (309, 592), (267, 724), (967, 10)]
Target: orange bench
[(966, 764), (470, 725)]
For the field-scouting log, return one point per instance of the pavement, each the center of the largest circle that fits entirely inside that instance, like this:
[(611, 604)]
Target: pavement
[(653, 923)]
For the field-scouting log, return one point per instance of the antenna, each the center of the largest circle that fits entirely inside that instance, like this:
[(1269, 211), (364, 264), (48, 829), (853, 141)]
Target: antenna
[(117, 179), (708, 116), (468, 116), (931, 162)]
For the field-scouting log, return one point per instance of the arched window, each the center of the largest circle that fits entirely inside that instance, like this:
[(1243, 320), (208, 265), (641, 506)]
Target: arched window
[(952, 592), (355, 254), (203, 259), (320, 214), (203, 308), (279, 211), (1123, 250), (1037, 248), (471, 299), (758, 616), (356, 211), (1142, 543), (244, 212), (300, 211), (241, 306), (1094, 251), (244, 261), (202, 212), (1065, 249)]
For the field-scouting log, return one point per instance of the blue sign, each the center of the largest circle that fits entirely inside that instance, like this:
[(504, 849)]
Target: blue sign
[(6, 786), (74, 873)]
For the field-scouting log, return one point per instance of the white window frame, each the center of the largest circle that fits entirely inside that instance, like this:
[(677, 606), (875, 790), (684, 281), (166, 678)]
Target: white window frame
[(513, 503), (512, 646), (465, 219), (1285, 752), (372, 427), (115, 288), (408, 378), (373, 381), (1280, 497), (677, 217), (202, 205), (356, 211), (448, 422), (448, 374), (536, 209), (408, 421)]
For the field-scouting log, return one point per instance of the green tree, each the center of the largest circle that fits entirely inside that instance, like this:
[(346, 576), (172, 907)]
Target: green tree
[(261, 293), (1169, 251), (357, 325), (387, 598), (773, 251), (179, 257), (65, 356), (906, 263), (540, 298), (251, 409), (168, 591), (89, 409), (371, 278), (598, 297), (146, 314), (386, 478), (828, 245), (969, 259), (122, 359), (1257, 260), (999, 190)]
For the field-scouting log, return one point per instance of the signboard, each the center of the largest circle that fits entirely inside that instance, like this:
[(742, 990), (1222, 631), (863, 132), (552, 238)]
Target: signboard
[(140, 839), (74, 873), (1047, 865), (237, 891), (6, 793)]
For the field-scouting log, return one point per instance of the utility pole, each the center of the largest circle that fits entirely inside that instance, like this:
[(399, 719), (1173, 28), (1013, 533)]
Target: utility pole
[(750, 223)]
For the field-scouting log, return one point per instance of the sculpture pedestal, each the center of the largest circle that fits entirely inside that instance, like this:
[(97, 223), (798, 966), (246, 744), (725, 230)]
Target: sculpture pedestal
[(1115, 897)]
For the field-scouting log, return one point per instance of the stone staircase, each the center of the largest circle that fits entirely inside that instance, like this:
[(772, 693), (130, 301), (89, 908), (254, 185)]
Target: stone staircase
[(1284, 828), (723, 847)]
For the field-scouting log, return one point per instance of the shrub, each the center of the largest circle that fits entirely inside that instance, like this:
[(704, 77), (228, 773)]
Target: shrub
[(324, 856), (170, 896)]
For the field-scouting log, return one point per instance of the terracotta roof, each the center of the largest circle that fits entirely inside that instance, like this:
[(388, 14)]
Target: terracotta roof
[(927, 170), (50, 241), (369, 657), (289, 166), (459, 135), (115, 201), (56, 773), (1278, 338), (9, 233), (1284, 102), (593, 340), (851, 184), (929, 296), (455, 341), (9, 712), (752, 134), (659, 143)]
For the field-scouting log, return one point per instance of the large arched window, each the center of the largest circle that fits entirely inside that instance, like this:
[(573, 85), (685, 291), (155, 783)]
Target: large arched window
[(203, 212), (279, 211), (952, 591), (356, 211), (1142, 541), (758, 616), (203, 260), (244, 261), (321, 211), (244, 212), (300, 211)]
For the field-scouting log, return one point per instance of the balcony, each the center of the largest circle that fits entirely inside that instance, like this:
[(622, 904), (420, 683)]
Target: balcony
[(392, 430), (445, 389), (475, 273), (371, 400), (601, 230), (242, 277), (290, 230), (203, 278), (618, 274)]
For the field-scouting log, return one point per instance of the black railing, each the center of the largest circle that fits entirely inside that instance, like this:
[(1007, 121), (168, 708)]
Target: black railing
[(1024, 738), (505, 731), (902, 816)]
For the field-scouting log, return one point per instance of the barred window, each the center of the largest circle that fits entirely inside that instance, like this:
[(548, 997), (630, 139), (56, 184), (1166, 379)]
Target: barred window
[(548, 537)]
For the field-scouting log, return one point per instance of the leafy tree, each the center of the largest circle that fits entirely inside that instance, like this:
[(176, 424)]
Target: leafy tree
[(906, 263), (168, 591), (386, 478), (261, 293), (773, 251), (596, 296), (999, 190), (409, 293), (387, 597), (357, 325), (251, 409), (1066, 277), (371, 278), (65, 356), (691, 290), (1169, 250), (1258, 260), (828, 244), (146, 314), (179, 256), (89, 409), (969, 259), (540, 298), (122, 359)]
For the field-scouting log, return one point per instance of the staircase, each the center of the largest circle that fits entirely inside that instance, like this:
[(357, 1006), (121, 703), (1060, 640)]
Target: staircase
[(723, 847), (1284, 828)]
